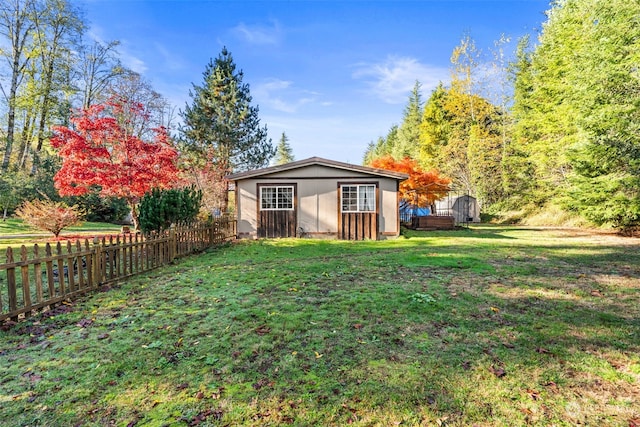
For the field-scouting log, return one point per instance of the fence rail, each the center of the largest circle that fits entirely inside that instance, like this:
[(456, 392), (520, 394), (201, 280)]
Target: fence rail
[(44, 276)]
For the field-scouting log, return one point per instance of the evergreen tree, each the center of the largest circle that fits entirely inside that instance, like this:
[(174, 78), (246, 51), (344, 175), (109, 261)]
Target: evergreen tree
[(435, 128), (604, 183), (409, 132), (577, 106), (519, 183), (384, 146), (221, 127), (544, 107), (161, 208), (284, 153)]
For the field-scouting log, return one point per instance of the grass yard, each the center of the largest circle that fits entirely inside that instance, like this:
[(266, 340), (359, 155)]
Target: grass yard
[(15, 233), (493, 326), (13, 226)]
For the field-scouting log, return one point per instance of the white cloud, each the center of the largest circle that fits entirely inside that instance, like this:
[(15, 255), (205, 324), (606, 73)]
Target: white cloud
[(281, 95), (393, 79), (259, 34), (132, 62), (170, 60)]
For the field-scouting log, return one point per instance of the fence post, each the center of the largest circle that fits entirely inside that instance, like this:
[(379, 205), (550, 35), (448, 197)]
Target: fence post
[(26, 290), (11, 284), (97, 256), (173, 243)]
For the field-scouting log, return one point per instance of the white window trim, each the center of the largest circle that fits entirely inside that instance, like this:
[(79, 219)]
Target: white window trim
[(278, 187), (360, 187)]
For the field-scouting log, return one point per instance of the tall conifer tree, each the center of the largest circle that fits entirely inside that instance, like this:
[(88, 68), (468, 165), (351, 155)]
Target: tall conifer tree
[(284, 153), (409, 131), (221, 127)]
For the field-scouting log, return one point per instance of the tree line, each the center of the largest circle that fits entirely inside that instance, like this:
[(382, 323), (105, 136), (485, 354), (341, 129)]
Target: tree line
[(554, 123), (79, 126), (557, 123)]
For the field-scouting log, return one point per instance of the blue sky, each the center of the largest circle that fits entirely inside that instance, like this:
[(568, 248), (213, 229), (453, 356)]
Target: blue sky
[(332, 75)]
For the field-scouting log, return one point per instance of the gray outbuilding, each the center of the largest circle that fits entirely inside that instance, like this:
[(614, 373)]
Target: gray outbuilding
[(317, 197)]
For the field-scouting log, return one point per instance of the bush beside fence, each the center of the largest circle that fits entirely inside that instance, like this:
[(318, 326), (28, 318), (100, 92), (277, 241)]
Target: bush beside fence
[(46, 276)]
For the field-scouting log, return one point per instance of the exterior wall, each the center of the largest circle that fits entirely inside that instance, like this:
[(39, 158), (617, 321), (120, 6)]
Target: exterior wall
[(317, 200)]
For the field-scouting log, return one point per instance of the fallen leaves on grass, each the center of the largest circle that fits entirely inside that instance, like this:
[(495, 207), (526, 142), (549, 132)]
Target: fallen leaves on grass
[(32, 376), (216, 414), (84, 323), (552, 386), (264, 382), (533, 394), (498, 372), (262, 330)]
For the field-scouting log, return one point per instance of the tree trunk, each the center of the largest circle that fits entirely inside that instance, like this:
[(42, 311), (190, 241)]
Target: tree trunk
[(133, 205), (11, 120), (25, 141), (46, 98), (18, 26)]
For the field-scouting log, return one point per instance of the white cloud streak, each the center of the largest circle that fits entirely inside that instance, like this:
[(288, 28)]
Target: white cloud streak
[(171, 61), (281, 95), (393, 79), (259, 34)]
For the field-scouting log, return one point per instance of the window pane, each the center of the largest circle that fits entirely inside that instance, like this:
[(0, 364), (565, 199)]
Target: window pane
[(267, 195), (358, 198), (349, 198), (367, 198), (276, 198), (285, 198)]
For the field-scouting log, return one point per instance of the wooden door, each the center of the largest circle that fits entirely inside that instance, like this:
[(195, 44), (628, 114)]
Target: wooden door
[(359, 226), (277, 210), (358, 205), (276, 224)]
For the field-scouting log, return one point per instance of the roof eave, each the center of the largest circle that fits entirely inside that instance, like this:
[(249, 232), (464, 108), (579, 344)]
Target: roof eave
[(315, 161)]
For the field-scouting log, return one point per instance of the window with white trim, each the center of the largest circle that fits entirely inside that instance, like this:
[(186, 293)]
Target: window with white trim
[(276, 198), (358, 198)]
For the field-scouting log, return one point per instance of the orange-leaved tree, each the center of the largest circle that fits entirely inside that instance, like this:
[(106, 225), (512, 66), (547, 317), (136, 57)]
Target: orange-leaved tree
[(103, 153), (422, 188)]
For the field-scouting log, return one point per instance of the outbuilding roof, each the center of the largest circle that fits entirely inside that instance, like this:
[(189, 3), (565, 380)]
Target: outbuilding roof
[(316, 161)]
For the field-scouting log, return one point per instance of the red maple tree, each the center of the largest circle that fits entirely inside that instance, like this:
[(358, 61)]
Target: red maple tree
[(422, 188), (103, 153)]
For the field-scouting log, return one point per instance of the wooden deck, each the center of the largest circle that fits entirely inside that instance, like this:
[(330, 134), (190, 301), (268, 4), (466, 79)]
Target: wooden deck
[(433, 222)]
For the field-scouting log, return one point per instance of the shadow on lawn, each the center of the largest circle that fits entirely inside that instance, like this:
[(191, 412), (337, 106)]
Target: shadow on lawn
[(335, 338)]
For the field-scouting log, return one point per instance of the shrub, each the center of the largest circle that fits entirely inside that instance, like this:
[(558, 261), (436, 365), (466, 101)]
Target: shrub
[(48, 215), (161, 208)]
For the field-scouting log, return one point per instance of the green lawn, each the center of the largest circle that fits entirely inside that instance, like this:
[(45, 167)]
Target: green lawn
[(492, 326), (14, 226), (15, 233)]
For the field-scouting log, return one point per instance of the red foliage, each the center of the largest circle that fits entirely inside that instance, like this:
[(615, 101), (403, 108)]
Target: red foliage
[(422, 188), (100, 152)]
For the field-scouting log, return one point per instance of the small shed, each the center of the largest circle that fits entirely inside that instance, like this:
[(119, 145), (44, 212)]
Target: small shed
[(317, 197), (463, 208)]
